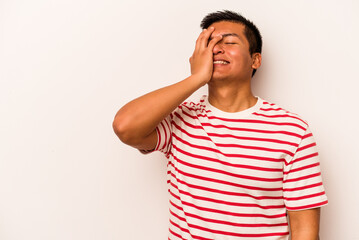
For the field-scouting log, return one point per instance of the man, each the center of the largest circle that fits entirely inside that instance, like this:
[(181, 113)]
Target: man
[(237, 164)]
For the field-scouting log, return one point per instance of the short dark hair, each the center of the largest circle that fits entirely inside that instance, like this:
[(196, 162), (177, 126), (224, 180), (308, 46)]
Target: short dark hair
[(250, 30)]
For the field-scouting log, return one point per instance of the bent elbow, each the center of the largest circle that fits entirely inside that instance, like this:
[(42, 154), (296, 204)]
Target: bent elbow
[(120, 129)]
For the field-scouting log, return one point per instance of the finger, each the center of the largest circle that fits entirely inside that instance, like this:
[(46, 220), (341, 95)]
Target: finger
[(199, 40), (214, 41), (205, 38)]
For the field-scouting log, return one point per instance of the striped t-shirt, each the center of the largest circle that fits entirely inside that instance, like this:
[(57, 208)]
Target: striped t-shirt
[(234, 175)]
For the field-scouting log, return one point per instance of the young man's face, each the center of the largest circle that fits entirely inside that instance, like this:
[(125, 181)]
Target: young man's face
[(231, 56)]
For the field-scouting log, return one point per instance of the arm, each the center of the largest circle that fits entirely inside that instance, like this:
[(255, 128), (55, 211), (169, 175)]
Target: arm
[(135, 123), (304, 224)]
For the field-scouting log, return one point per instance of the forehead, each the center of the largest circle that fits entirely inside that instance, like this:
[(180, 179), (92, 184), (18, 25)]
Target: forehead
[(224, 27)]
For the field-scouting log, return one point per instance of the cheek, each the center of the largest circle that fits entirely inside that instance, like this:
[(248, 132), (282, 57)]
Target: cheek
[(241, 57)]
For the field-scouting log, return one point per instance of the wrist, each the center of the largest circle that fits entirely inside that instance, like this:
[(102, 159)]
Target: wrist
[(199, 79)]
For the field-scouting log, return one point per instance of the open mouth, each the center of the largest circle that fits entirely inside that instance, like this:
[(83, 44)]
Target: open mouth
[(220, 62)]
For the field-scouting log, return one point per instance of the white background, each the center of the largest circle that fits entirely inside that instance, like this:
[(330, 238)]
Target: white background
[(67, 67)]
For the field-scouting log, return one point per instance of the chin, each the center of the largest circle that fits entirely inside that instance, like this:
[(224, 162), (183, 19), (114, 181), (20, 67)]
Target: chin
[(219, 77)]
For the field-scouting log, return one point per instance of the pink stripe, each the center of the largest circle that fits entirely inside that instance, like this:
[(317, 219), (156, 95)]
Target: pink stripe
[(252, 130), (186, 230), (307, 136), (189, 134), (302, 168), (183, 229), (302, 178), (279, 116), (170, 136), (305, 197), (268, 103), (187, 123), (306, 147), (201, 108), (252, 138), (165, 141), (177, 235), (159, 139), (255, 148), (303, 158), (230, 223), (272, 109), (168, 125), (302, 188), (307, 206)]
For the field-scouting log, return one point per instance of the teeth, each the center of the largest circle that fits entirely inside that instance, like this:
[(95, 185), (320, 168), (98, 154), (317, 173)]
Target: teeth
[(220, 62)]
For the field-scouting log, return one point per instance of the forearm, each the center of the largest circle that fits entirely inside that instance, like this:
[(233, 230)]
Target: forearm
[(139, 118), (305, 235), (304, 224)]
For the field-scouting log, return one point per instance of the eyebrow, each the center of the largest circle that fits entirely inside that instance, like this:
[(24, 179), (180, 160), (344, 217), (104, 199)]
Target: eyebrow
[(228, 35)]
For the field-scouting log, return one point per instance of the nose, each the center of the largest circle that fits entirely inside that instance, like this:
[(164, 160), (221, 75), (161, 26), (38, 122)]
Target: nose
[(218, 48)]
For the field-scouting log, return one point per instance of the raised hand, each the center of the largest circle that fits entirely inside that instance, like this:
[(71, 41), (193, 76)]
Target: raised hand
[(135, 123), (202, 57)]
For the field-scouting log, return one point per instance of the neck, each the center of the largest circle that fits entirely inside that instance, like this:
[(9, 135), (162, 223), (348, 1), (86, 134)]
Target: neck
[(231, 98)]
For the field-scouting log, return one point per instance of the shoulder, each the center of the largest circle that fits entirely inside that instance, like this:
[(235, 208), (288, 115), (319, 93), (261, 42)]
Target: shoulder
[(271, 112)]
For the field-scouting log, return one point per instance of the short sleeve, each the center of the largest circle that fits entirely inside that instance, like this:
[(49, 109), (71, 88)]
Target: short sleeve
[(164, 134), (302, 182)]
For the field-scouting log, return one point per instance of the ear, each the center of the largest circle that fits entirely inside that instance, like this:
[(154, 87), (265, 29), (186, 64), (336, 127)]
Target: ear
[(256, 60)]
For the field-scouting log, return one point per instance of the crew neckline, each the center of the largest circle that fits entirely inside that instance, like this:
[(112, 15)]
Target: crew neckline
[(242, 113)]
